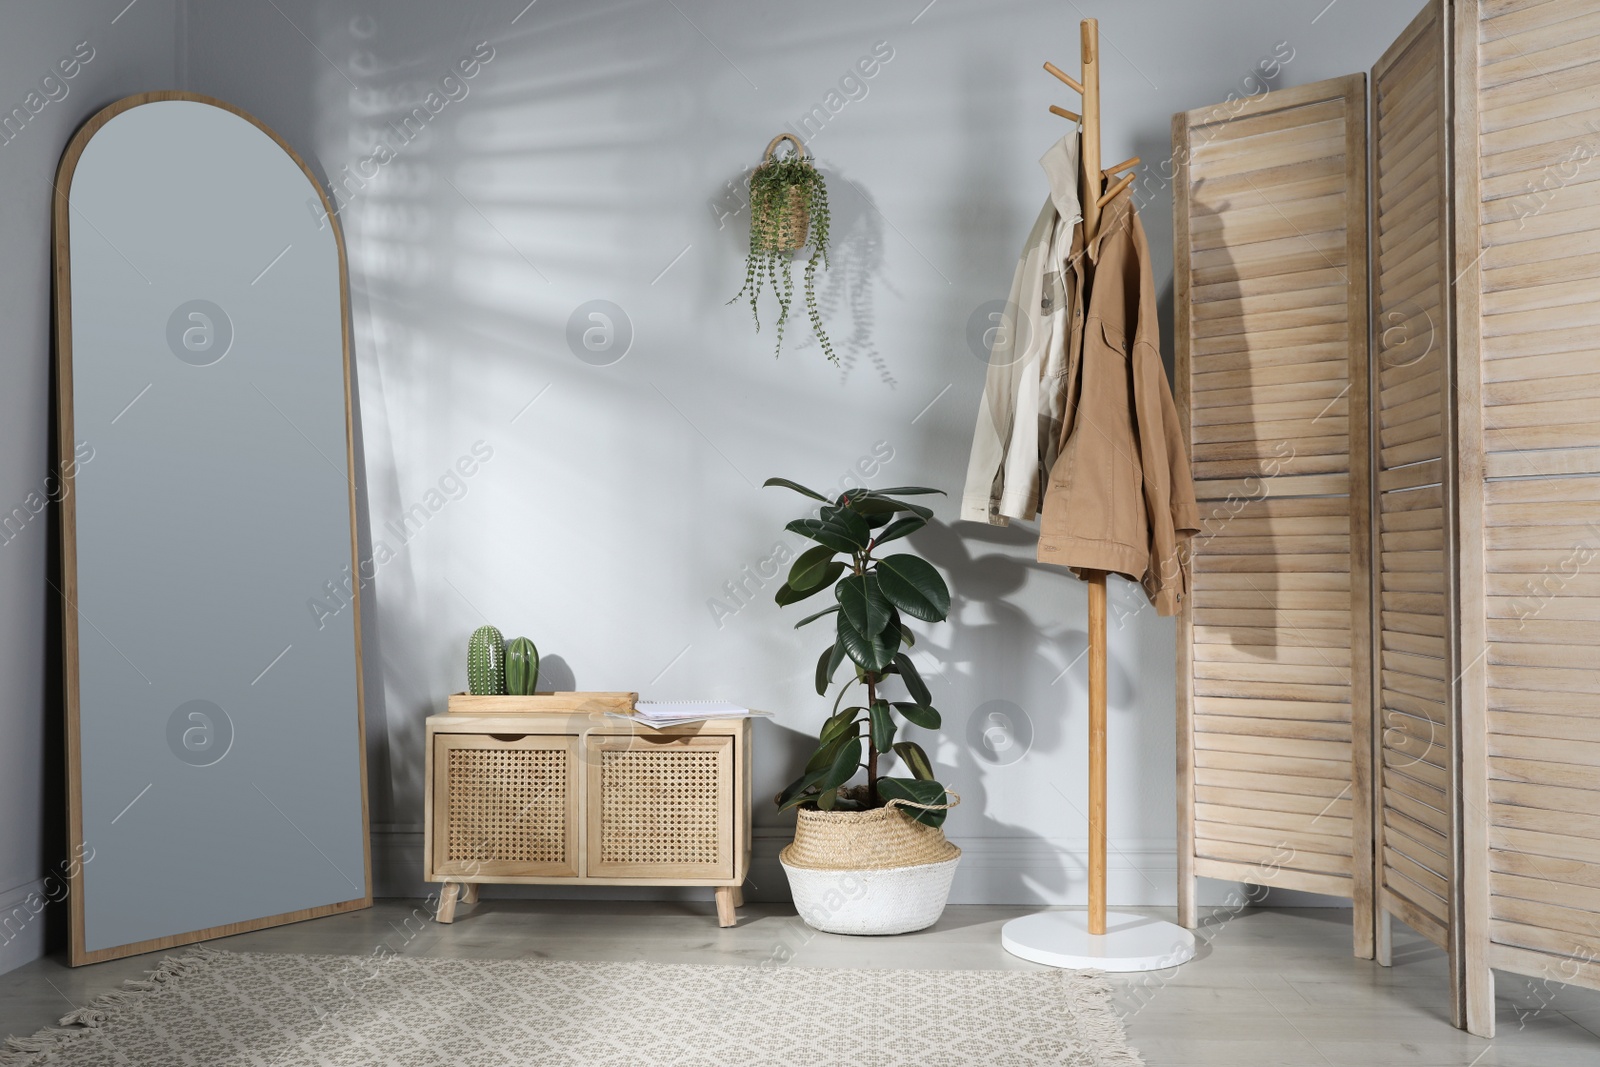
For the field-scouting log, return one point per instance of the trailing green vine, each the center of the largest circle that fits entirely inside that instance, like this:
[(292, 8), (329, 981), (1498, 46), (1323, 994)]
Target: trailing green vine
[(786, 193)]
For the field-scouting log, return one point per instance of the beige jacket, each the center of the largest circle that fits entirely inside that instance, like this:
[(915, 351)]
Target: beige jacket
[(1024, 394), (1120, 497)]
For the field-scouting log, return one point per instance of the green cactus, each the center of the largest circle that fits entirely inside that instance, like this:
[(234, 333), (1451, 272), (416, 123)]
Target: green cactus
[(486, 662), (522, 667)]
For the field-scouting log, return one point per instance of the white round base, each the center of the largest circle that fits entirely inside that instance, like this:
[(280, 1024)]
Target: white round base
[(1131, 942)]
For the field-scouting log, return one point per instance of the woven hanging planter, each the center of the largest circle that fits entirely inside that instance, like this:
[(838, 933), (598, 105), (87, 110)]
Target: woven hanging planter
[(788, 210), (869, 872)]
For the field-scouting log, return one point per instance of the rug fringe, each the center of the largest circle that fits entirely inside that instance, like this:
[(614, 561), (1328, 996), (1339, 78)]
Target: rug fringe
[(1096, 1019), (24, 1051)]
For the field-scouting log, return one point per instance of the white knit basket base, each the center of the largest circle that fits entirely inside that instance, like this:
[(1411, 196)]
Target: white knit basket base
[(894, 901)]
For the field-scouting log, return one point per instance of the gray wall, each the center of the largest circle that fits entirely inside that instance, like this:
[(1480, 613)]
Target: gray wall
[(597, 156), (131, 53)]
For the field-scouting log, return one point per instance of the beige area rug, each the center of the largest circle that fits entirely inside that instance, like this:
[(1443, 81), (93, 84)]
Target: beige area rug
[(220, 1009)]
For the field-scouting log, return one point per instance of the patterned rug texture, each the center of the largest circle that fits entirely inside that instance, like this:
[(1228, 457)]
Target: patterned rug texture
[(224, 1009)]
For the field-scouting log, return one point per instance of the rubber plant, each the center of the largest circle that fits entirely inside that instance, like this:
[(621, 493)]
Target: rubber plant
[(872, 593), (785, 192)]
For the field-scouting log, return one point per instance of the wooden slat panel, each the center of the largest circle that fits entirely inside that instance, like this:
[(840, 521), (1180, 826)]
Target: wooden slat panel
[(1271, 327), (1296, 786), (1276, 803), (1277, 875), (1412, 644), (1272, 853), (1532, 318)]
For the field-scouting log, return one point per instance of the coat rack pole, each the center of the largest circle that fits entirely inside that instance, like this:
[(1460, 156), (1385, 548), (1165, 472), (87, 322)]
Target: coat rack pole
[(1090, 45), (1097, 752), (1089, 31)]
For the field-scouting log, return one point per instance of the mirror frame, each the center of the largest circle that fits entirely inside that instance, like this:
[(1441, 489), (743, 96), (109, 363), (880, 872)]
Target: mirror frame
[(65, 445)]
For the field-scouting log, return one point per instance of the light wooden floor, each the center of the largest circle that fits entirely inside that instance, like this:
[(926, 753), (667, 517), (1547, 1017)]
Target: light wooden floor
[(1271, 987)]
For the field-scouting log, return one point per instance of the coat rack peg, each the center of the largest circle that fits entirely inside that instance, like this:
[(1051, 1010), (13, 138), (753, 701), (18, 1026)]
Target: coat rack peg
[(1114, 190), (1126, 164), (1071, 116), (1064, 76)]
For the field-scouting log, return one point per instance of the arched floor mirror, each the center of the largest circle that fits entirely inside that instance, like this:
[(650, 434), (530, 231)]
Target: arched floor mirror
[(216, 769)]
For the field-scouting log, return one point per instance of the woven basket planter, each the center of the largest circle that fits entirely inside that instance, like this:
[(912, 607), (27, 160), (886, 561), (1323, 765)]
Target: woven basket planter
[(868, 872), (794, 214), (794, 220)]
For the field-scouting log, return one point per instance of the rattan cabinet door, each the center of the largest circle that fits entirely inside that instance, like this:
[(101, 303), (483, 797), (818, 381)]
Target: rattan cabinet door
[(660, 809), (505, 806)]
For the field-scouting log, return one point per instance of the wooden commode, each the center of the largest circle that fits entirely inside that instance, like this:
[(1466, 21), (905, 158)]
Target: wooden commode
[(565, 788)]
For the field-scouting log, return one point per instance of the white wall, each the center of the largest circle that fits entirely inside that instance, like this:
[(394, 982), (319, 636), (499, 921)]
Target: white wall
[(591, 158), (109, 57)]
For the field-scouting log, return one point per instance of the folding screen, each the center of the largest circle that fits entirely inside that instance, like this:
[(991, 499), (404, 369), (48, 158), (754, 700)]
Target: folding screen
[(1528, 410), (1475, 682), (1413, 651), (1274, 749)]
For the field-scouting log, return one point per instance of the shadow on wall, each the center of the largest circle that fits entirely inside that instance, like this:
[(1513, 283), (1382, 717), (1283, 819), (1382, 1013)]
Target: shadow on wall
[(1244, 616), (555, 675), (1001, 653), (855, 269)]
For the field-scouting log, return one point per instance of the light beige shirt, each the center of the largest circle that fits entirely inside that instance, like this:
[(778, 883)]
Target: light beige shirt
[(1024, 393)]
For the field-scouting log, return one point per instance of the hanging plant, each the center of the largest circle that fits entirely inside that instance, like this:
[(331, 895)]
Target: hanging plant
[(788, 205)]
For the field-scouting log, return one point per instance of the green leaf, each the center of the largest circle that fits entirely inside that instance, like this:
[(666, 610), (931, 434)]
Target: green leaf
[(818, 615), (845, 764), (908, 490), (828, 663), (843, 689), (788, 594), (918, 510), (867, 504), (907, 638), (840, 529), (828, 799), (908, 673), (915, 760), (871, 652), (919, 714), (913, 586), (924, 792), (796, 486), (810, 567), (822, 758), (839, 724), (863, 603), (900, 528), (822, 668), (796, 792), (882, 725), (894, 631)]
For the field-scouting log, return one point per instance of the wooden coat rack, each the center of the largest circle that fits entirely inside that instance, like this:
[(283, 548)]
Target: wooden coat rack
[(1135, 943)]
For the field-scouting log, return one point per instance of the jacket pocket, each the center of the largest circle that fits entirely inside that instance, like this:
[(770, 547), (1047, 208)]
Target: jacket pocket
[(1114, 338)]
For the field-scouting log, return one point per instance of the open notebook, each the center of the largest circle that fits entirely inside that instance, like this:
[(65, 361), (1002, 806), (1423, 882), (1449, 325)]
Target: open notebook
[(674, 712)]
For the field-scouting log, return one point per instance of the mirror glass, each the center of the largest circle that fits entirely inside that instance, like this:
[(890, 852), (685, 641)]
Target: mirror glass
[(211, 634)]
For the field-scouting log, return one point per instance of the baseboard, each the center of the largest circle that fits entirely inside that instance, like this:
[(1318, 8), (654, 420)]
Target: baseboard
[(1004, 870), (22, 930)]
